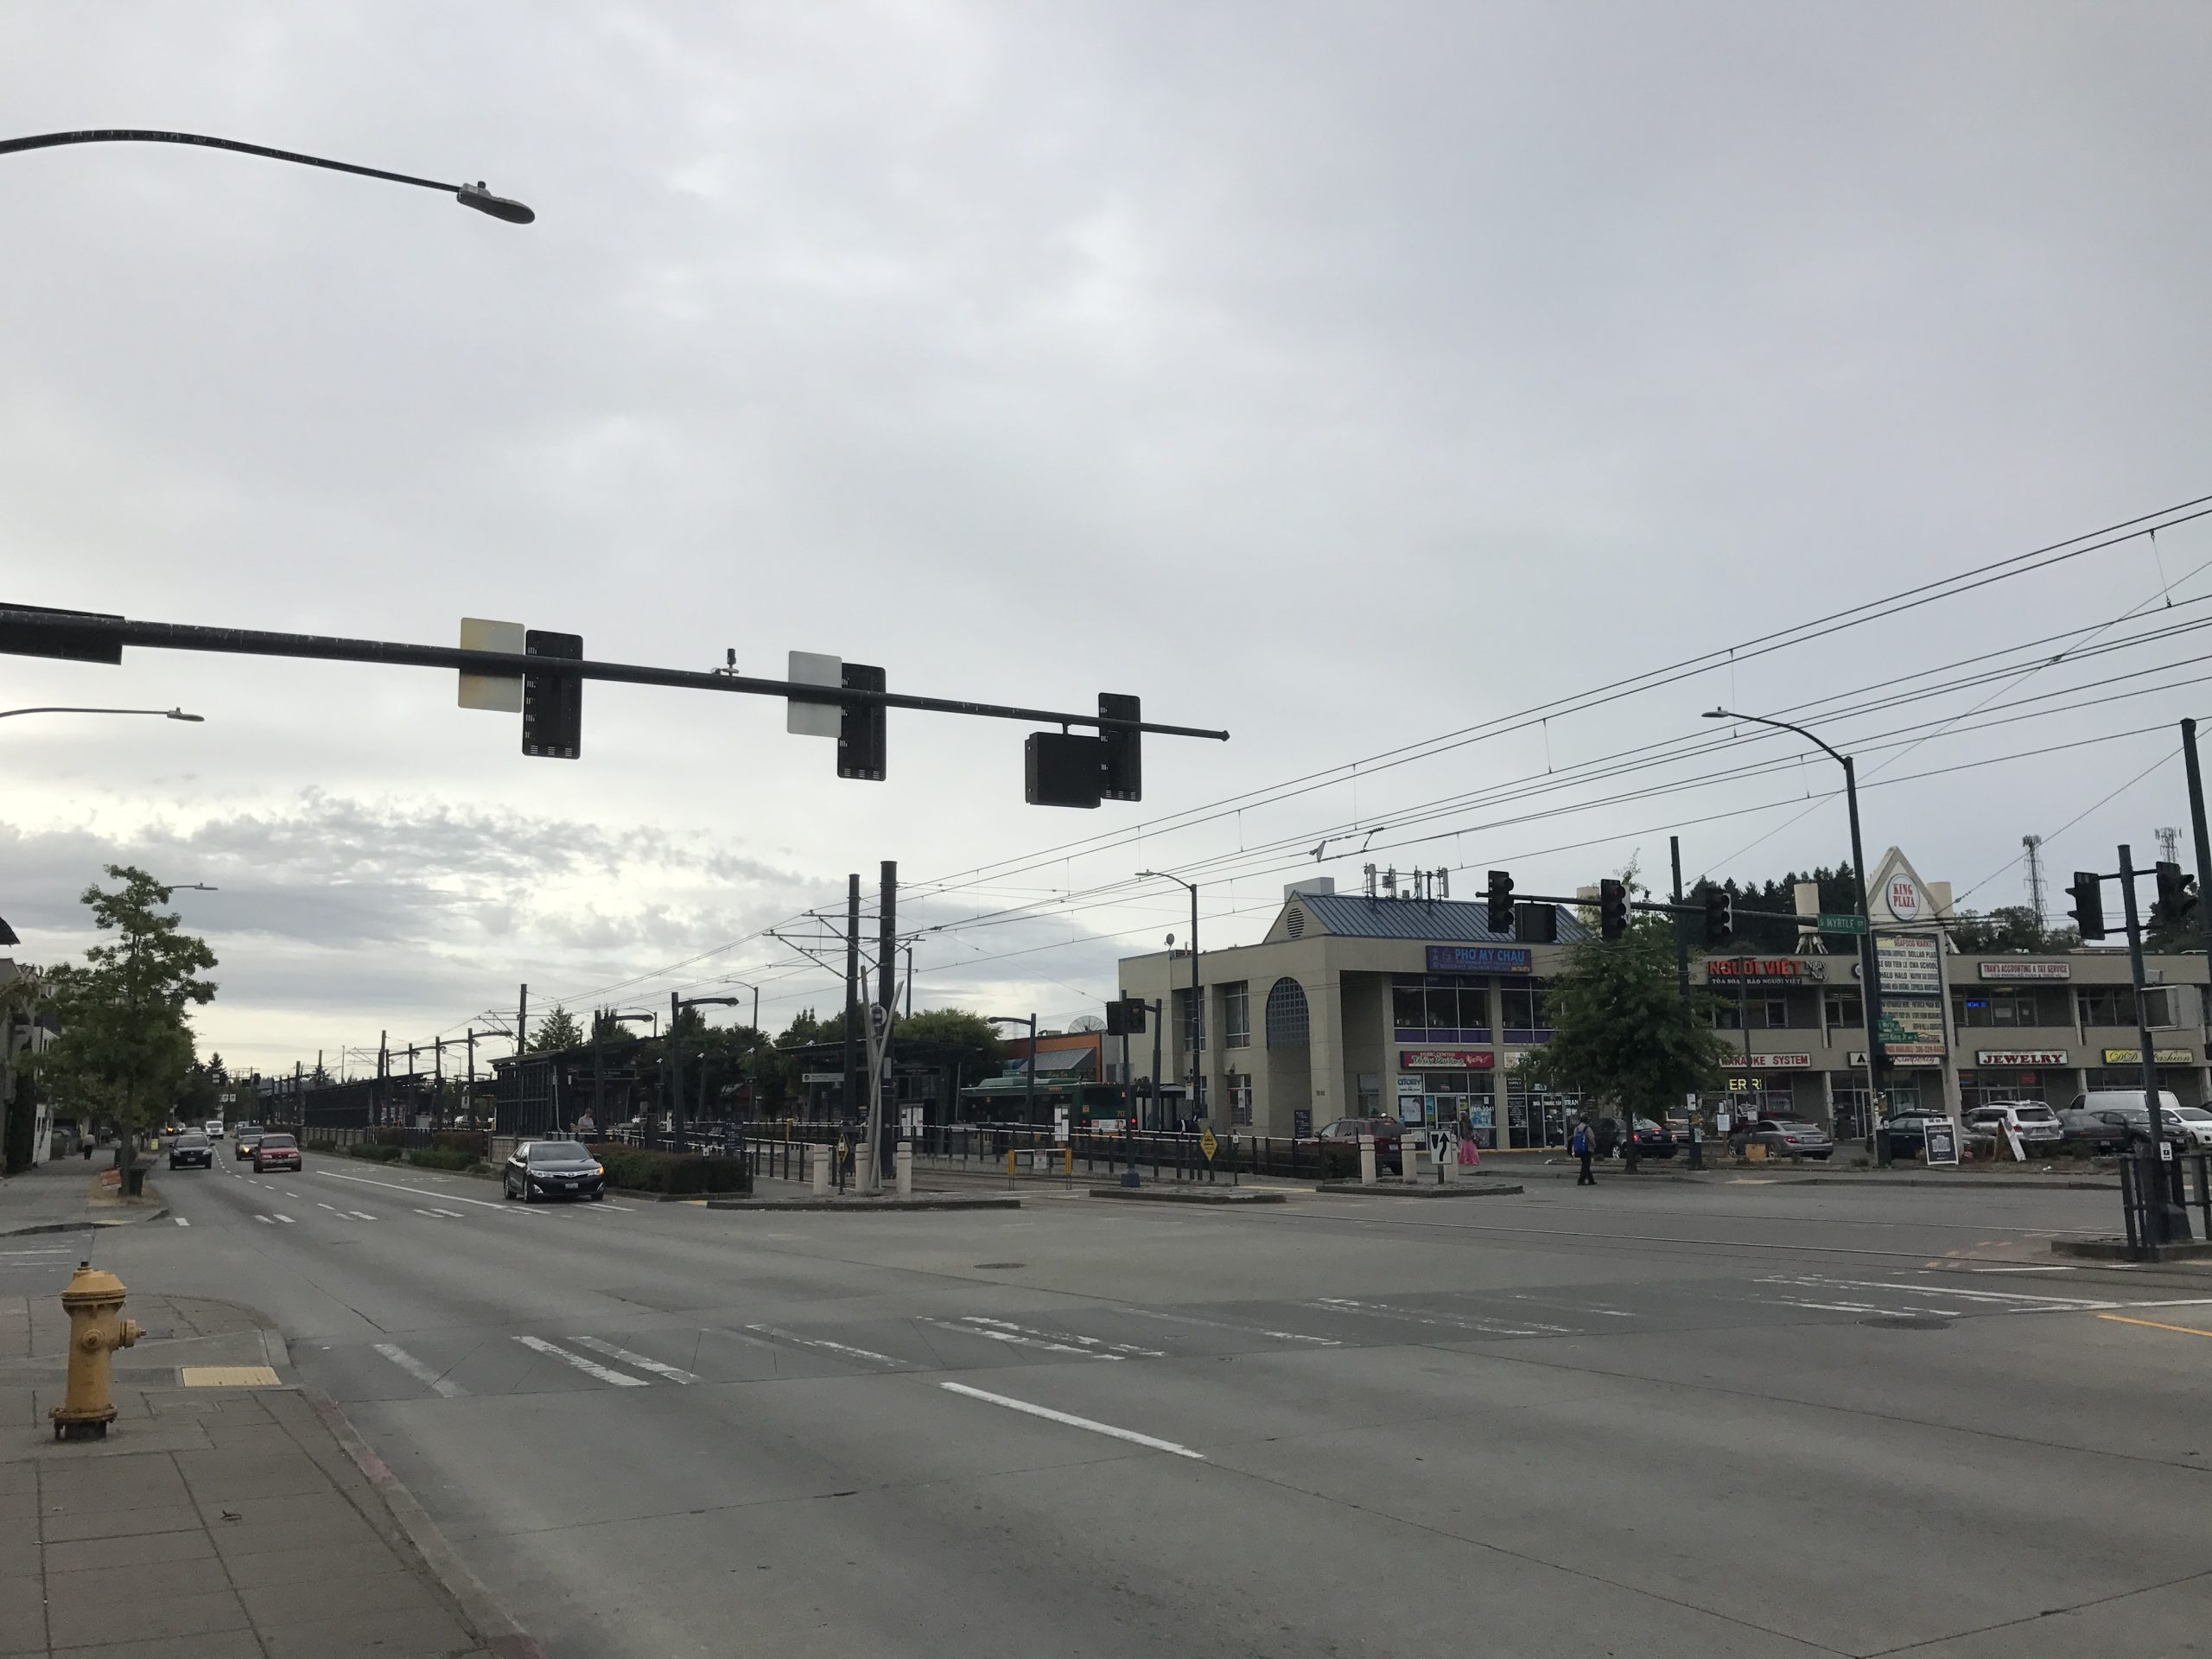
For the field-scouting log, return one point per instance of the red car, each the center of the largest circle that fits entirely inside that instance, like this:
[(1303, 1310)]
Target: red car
[(276, 1152), (1347, 1131)]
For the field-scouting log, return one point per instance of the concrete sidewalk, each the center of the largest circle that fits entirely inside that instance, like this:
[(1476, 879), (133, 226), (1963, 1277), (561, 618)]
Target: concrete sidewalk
[(229, 1512), (64, 1193)]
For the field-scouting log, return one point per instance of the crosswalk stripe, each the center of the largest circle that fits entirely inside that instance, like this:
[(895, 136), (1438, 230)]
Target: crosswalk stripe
[(264, 1220), (416, 1369), (833, 1347), (589, 1367), (181, 1221), (639, 1360)]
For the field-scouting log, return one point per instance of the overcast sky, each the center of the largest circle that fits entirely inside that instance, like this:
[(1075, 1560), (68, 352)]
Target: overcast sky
[(1342, 377)]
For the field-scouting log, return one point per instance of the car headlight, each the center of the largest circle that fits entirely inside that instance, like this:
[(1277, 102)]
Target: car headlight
[(596, 1169)]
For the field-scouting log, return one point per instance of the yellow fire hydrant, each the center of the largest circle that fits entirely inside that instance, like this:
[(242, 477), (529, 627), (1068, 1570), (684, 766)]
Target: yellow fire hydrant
[(93, 1301)]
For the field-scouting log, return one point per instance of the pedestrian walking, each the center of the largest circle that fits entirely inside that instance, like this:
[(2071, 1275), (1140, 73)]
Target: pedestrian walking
[(1579, 1145)]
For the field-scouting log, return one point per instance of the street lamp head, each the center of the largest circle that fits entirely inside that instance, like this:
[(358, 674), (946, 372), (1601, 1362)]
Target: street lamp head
[(1719, 714), (179, 714), (475, 195)]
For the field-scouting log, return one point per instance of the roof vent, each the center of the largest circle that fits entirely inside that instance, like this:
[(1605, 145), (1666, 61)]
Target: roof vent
[(1293, 919)]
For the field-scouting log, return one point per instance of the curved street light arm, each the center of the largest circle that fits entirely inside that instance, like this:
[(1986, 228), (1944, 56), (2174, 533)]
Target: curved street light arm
[(1784, 725), (469, 195)]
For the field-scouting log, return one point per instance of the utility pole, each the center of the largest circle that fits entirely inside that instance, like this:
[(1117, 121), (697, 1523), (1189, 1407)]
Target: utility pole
[(676, 1072), (472, 1077), (1682, 978), (1197, 1032), (879, 1139), (2203, 855), (383, 1073), (2167, 1219), (522, 1041), (851, 992)]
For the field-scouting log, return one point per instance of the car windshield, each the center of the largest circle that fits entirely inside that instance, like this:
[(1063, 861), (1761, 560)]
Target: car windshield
[(275, 1142), (2194, 1113), (192, 1140), (560, 1152)]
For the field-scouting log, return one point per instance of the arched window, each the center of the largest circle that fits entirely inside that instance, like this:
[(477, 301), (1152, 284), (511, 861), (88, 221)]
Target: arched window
[(1287, 1021)]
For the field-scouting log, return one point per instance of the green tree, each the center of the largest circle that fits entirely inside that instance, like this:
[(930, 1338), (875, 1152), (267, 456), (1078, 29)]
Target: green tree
[(973, 1039), (126, 1035), (22, 996), (2012, 927), (557, 1031), (1622, 1034)]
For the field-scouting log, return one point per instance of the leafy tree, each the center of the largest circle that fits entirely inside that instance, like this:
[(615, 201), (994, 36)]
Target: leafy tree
[(2012, 927), (198, 1097), (1621, 1032), (216, 1071), (803, 1030), (1839, 894), (557, 1031), (126, 1038), (23, 995), (975, 1040)]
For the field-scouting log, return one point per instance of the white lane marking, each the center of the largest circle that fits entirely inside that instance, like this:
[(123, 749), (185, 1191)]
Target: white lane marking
[(484, 1204), (264, 1220), (1224, 1325), (1074, 1421), (420, 1212), (627, 1209), (639, 1360), (450, 1215), (416, 1369), (1480, 1326), (181, 1221), (360, 1215), (824, 1342), (2058, 1269), (1016, 1340), (282, 1217), (589, 1367), (37, 1252), (291, 1195), (1063, 1336)]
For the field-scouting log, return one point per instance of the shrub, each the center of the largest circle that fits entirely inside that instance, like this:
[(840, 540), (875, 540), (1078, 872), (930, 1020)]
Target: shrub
[(375, 1154), (639, 1171), (475, 1142), (440, 1158), (391, 1137), (319, 1144)]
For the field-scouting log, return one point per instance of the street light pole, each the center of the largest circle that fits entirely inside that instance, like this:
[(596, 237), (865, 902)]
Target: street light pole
[(165, 713), (468, 195), (1029, 1099), (1197, 1007), (1870, 978)]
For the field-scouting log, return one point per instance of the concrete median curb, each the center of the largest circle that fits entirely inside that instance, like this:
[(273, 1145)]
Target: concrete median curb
[(1191, 1195), (482, 1611), (890, 1202), (1469, 1189)]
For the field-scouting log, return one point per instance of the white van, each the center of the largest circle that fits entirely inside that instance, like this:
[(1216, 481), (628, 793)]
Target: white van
[(2121, 1100)]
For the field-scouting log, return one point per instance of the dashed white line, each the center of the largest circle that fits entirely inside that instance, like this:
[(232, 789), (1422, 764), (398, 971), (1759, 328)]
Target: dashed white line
[(264, 1220), (1074, 1421), (360, 1215), (639, 1360), (394, 1186), (421, 1373), (1017, 1341), (589, 1367), (833, 1347), (1224, 1325), (282, 1217), (181, 1221)]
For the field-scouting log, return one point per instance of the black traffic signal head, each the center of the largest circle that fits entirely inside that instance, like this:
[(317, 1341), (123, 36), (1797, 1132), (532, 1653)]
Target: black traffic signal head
[(1612, 908), (1060, 769), (552, 704), (2177, 894), (1498, 897), (860, 727), (1125, 1017), (2089, 911), (1124, 759), (1720, 916)]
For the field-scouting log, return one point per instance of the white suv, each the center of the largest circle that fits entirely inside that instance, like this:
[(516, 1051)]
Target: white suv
[(2031, 1120), (2194, 1119)]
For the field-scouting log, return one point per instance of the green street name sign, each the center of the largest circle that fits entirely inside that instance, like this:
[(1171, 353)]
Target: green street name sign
[(1842, 924)]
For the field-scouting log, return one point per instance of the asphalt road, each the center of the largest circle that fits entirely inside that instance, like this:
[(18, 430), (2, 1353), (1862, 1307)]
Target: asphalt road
[(1745, 1419)]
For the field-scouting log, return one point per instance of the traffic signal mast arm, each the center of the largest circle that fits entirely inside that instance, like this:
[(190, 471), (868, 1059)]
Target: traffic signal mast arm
[(93, 636), (1660, 905)]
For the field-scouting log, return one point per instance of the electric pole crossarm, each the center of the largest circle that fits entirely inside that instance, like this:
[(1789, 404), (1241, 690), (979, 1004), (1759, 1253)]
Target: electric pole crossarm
[(115, 632)]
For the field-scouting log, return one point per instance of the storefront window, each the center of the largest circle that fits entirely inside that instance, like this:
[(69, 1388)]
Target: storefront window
[(1995, 1004), (1726, 1015), (1841, 1008), (1441, 1008), (2106, 1005), (1236, 1015), (1526, 1019)]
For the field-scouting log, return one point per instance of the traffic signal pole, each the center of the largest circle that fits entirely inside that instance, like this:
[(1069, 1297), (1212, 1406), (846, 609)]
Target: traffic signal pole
[(2167, 1220), (2203, 855)]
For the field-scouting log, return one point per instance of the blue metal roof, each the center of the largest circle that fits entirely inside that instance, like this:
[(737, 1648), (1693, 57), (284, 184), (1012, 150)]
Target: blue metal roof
[(1446, 921)]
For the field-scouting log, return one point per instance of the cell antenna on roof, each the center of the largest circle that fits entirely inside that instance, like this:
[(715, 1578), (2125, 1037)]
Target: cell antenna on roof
[(1367, 871), (1390, 880)]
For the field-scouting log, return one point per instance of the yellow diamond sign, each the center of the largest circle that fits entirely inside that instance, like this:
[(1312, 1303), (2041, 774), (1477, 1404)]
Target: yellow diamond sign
[(1206, 1143)]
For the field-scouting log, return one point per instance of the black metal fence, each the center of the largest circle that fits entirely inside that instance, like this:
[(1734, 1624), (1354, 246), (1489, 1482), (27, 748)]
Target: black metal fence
[(2151, 1187)]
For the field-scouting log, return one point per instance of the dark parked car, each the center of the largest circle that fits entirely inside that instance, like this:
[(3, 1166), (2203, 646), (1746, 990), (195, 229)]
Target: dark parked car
[(276, 1152), (192, 1149), (1654, 1139), (1347, 1131), (2119, 1130), (548, 1169)]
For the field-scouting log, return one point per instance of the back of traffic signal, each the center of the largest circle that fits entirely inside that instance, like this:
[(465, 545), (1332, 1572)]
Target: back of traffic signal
[(1715, 909)]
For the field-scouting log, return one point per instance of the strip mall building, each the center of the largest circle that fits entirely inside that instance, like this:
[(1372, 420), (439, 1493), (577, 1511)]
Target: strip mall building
[(1357, 1006)]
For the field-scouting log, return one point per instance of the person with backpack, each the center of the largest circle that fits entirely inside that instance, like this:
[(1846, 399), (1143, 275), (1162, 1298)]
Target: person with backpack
[(1579, 1145)]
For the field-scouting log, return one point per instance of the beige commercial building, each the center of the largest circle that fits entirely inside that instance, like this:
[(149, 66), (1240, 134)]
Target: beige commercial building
[(1353, 1006)]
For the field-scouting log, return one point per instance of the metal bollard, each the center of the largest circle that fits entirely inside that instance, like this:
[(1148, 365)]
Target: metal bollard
[(1367, 1161), (817, 1161), (93, 1300), (906, 1169)]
